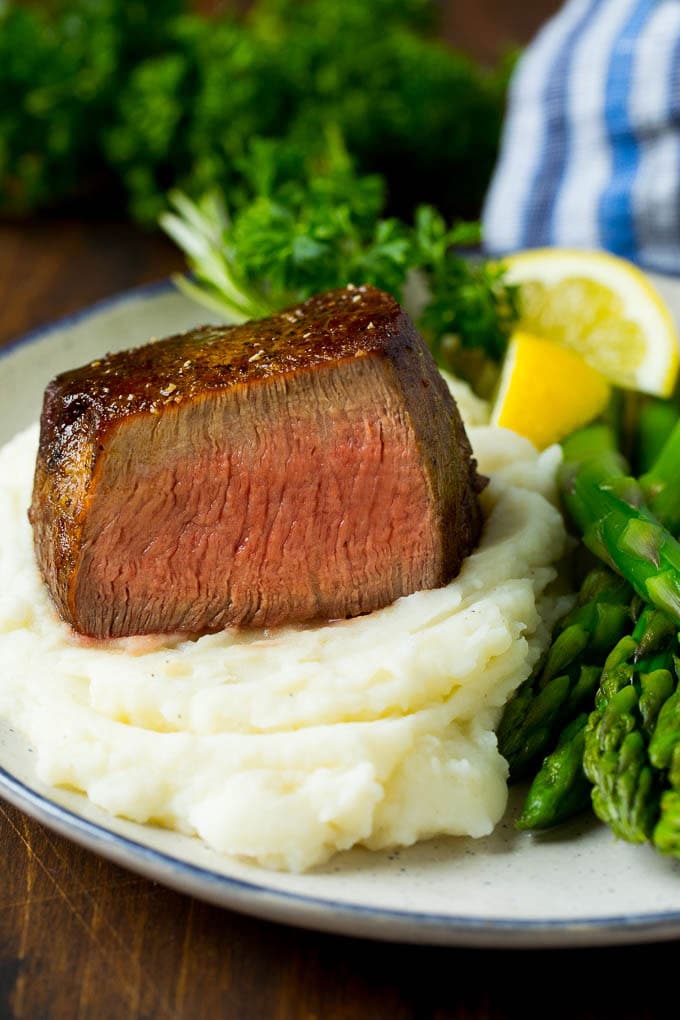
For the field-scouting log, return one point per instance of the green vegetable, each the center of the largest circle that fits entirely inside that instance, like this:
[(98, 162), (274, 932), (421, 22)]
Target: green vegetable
[(664, 754), (560, 789), (666, 835), (607, 506), (656, 421), (617, 761), (666, 735), (661, 483), (409, 108), (471, 310), (125, 99), (60, 76)]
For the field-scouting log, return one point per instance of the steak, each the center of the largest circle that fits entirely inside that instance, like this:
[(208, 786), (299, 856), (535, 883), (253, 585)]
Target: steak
[(308, 466)]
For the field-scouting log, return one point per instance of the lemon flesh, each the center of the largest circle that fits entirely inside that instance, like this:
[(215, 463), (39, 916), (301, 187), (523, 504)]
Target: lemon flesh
[(546, 390), (603, 308)]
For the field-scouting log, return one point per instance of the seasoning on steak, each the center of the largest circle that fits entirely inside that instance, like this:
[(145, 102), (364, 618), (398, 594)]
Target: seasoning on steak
[(308, 466)]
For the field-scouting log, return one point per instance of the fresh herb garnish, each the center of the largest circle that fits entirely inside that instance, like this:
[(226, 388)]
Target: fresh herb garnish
[(123, 99), (328, 229)]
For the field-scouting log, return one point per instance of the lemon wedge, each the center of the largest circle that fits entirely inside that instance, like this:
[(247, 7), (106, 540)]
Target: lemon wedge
[(546, 390), (602, 307)]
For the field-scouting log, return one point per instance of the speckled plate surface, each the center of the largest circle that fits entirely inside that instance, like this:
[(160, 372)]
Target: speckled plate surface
[(576, 887)]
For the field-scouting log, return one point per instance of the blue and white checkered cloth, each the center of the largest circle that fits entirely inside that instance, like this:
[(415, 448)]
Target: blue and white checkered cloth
[(590, 156)]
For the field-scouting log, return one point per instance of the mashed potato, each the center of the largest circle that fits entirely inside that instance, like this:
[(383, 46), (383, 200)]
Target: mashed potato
[(288, 746)]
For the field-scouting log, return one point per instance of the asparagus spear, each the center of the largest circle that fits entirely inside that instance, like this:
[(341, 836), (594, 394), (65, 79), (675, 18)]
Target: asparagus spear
[(656, 421), (635, 685), (664, 753), (560, 789), (661, 483), (608, 507), (666, 736), (666, 835)]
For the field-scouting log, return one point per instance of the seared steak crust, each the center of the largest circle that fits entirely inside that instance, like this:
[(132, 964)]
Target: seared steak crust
[(311, 465)]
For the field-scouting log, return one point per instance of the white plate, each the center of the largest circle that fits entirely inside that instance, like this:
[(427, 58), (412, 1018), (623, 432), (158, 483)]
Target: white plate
[(575, 887)]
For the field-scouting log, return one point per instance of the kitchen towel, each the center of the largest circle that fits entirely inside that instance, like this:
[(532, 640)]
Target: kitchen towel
[(590, 155)]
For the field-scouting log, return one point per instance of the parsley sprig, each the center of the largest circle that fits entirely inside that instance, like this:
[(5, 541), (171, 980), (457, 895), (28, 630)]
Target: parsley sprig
[(327, 229)]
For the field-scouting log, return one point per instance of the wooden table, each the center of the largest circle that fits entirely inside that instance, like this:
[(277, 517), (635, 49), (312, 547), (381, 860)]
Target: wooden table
[(82, 938)]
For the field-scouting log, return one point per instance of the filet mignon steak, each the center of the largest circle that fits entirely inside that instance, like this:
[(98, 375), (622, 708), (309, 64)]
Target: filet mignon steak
[(307, 466)]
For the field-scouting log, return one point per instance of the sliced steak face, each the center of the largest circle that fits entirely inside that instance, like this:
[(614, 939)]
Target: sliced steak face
[(308, 466)]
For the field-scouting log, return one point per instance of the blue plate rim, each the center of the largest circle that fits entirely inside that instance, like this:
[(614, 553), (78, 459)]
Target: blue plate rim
[(128, 851), (317, 912)]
